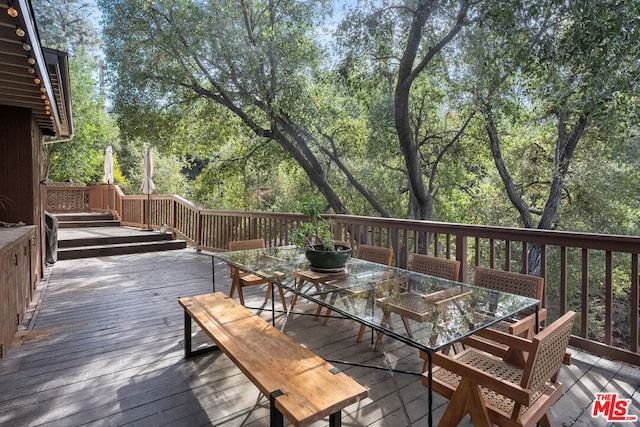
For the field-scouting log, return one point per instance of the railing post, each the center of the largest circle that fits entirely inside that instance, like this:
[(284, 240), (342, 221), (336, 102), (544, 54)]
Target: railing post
[(253, 228), (461, 255), (199, 230), (174, 215)]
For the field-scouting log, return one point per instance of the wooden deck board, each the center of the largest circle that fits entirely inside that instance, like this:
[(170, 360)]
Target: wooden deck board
[(105, 347)]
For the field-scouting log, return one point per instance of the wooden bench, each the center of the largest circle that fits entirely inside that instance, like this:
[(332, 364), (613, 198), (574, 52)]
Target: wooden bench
[(300, 385)]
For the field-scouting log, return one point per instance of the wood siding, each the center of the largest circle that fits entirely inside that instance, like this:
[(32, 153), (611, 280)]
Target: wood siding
[(16, 280)]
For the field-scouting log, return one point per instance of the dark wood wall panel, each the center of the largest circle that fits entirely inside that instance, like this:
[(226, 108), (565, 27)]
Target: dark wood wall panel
[(16, 178)]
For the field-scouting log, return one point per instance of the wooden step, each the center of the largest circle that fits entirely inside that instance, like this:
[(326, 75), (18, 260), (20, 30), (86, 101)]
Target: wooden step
[(112, 240), (66, 217), (85, 223), (119, 249)]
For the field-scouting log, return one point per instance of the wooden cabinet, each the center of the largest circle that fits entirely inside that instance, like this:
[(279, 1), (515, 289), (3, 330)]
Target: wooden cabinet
[(17, 280)]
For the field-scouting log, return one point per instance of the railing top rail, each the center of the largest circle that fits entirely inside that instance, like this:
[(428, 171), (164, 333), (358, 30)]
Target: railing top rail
[(282, 215), (185, 202), (619, 243)]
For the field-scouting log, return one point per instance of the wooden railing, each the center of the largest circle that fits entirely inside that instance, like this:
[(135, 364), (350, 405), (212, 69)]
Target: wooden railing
[(595, 275)]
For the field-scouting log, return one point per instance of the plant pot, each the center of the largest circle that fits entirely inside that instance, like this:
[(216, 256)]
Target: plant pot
[(320, 259)]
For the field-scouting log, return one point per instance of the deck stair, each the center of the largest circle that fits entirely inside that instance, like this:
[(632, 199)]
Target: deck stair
[(80, 220), (97, 235)]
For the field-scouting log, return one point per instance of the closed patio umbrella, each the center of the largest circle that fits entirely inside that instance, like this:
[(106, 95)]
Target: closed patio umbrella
[(147, 182), (108, 170)]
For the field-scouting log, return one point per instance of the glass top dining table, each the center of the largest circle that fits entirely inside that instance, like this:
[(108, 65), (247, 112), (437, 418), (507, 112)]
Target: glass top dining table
[(443, 311), (435, 312)]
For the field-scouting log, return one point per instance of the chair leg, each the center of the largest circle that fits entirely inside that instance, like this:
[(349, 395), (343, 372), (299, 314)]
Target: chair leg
[(467, 399), (268, 292), (477, 408), (326, 319), (234, 284), (378, 343), (545, 421), (361, 333), (282, 300), (332, 300), (405, 321), (294, 297), (240, 293), (386, 320)]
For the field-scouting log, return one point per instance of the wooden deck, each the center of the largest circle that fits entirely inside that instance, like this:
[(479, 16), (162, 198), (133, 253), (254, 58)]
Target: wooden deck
[(104, 346)]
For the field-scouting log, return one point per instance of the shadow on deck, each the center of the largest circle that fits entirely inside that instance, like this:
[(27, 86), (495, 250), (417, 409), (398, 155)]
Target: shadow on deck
[(104, 346)]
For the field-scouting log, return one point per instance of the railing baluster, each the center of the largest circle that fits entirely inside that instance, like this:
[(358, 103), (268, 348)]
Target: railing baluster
[(563, 280), (584, 321), (543, 271), (492, 253), (608, 298), (633, 303)]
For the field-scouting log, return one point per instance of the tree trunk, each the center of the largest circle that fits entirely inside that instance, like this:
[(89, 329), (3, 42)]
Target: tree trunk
[(565, 147), (408, 71)]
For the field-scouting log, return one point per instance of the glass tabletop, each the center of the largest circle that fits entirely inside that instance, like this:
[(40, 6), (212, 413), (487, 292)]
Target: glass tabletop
[(424, 311)]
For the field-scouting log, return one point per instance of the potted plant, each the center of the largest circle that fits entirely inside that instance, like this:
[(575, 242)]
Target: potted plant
[(316, 237)]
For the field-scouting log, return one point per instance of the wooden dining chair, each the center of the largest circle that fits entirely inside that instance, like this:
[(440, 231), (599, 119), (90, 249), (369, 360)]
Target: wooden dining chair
[(518, 284), (430, 265), (378, 254), (241, 279), (372, 253), (436, 266), (525, 323), (494, 391)]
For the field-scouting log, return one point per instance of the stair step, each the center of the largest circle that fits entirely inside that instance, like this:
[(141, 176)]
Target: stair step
[(119, 249), (83, 217), (113, 240), (86, 223)]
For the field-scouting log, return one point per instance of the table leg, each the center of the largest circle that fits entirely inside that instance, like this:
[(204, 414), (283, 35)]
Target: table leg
[(273, 304), (213, 273), (430, 379)]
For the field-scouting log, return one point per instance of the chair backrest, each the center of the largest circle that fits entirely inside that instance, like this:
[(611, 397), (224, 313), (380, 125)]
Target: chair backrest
[(508, 281), (436, 266), (375, 254), (241, 245), (549, 346)]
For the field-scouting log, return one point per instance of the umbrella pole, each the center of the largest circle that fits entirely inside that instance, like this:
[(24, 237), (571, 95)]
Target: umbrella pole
[(149, 212)]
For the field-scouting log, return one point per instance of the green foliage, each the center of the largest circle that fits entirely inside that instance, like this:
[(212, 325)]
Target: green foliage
[(315, 231), (82, 159), (67, 25), (167, 171), (219, 93)]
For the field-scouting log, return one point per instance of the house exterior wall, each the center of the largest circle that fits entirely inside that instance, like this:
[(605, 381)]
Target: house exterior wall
[(21, 160)]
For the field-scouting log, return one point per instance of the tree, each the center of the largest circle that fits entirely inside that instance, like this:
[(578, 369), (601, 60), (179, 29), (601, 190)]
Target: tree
[(259, 63), (550, 76), (405, 43), (68, 24), (81, 159)]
